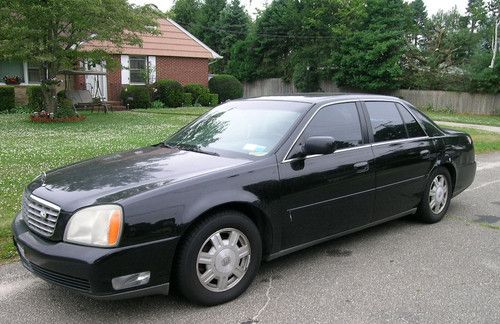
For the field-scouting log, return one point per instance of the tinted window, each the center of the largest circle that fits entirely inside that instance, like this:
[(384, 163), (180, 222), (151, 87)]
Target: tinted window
[(252, 127), (412, 126), (340, 121), (430, 128), (386, 121)]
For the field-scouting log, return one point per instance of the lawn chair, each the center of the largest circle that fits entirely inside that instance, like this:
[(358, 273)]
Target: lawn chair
[(82, 99)]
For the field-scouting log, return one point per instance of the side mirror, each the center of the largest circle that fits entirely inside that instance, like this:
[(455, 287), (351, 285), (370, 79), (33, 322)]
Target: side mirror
[(319, 145)]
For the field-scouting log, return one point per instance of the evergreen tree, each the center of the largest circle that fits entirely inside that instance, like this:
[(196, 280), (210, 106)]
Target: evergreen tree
[(186, 13), (233, 27), (476, 13), (207, 25), (419, 19)]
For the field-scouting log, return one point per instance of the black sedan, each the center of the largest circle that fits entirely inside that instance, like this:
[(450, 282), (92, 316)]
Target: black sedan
[(250, 180)]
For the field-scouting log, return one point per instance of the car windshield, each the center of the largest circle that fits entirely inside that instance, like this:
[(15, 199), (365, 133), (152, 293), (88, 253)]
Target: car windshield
[(250, 127)]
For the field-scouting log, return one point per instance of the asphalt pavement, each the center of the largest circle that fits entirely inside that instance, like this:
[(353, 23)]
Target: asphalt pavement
[(398, 272)]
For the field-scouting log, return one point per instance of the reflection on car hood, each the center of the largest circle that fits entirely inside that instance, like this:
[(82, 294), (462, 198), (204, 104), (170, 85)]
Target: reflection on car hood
[(114, 177)]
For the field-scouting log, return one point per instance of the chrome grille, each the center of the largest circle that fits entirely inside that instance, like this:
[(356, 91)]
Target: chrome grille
[(40, 215)]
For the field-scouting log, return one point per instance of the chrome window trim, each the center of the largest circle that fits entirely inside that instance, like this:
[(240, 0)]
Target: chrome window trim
[(286, 159), (419, 122), (400, 140)]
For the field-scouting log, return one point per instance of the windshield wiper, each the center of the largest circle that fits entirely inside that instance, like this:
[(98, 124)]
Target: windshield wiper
[(194, 148)]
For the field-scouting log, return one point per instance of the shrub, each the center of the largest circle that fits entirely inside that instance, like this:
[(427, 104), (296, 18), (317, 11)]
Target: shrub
[(35, 98), (214, 99), (22, 109), (7, 98), (157, 104), (201, 94), (64, 108), (226, 86), (187, 99), (136, 96), (169, 92)]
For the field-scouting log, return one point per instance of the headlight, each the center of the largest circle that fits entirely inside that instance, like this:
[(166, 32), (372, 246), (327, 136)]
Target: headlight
[(97, 226)]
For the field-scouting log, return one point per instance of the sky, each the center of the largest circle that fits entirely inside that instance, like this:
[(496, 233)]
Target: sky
[(432, 5)]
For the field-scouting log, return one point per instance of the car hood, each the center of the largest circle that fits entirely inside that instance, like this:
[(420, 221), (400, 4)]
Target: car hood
[(118, 176)]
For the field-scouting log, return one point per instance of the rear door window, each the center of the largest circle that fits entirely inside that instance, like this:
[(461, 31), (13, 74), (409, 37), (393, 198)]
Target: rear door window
[(412, 126), (386, 121)]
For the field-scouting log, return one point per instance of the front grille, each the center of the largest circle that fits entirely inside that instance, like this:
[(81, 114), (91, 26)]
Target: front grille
[(40, 215), (61, 279)]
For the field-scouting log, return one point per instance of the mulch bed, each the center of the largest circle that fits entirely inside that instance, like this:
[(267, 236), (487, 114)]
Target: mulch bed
[(47, 119)]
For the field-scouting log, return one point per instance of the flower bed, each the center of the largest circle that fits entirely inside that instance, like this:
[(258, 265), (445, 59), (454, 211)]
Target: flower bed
[(44, 117)]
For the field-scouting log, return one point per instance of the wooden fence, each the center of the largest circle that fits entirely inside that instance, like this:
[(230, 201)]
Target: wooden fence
[(461, 102)]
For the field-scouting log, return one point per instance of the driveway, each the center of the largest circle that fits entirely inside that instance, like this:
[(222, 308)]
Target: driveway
[(401, 271)]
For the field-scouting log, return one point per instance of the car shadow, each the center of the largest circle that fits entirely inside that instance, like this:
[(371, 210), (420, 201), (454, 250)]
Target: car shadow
[(148, 307)]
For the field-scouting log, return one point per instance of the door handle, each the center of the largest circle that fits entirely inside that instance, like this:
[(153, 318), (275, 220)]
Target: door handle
[(425, 154), (361, 167)]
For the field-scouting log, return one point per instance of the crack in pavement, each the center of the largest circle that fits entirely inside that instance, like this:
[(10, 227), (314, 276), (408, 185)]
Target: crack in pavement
[(255, 319)]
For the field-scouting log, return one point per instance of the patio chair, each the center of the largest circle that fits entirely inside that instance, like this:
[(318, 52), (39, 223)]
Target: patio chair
[(82, 99)]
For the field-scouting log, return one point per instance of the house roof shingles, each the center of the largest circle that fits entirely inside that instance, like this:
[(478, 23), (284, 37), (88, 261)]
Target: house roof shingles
[(173, 41)]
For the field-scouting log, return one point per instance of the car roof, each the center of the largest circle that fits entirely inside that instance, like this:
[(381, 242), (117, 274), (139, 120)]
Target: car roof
[(318, 98)]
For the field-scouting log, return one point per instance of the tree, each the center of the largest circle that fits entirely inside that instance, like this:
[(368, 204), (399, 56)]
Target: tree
[(369, 56), (233, 26), (494, 9), (207, 25), (476, 14), (52, 33), (419, 18), (187, 13)]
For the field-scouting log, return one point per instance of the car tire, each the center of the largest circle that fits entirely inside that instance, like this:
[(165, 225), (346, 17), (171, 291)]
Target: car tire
[(219, 258), (436, 197)]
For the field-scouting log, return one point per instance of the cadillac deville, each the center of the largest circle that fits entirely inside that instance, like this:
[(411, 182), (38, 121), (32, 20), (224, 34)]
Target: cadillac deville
[(250, 180)]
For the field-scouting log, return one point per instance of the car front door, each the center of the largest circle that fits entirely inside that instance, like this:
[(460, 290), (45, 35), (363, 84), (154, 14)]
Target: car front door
[(328, 194), (404, 156)]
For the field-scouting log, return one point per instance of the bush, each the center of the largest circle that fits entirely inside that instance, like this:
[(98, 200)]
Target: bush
[(226, 86), (136, 96), (187, 99), (64, 108), (214, 99), (201, 94), (22, 109), (157, 104), (7, 98), (169, 92), (35, 98)]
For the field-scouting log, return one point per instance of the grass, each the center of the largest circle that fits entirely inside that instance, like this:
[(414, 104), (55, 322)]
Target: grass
[(484, 141), (464, 118), (29, 148)]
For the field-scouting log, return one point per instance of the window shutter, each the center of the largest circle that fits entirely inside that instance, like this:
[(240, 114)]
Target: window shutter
[(125, 63), (152, 68)]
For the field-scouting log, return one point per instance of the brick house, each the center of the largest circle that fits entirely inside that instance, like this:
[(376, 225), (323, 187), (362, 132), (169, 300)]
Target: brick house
[(174, 54)]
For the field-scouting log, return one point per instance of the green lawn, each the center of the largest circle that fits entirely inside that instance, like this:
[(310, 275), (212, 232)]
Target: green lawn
[(27, 149), (464, 118)]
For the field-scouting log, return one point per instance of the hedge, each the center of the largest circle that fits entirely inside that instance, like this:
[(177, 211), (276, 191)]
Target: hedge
[(214, 99), (136, 96), (226, 86), (187, 99), (7, 98), (169, 92), (35, 98), (201, 94)]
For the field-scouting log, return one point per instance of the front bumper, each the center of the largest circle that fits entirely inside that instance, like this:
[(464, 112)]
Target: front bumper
[(89, 270)]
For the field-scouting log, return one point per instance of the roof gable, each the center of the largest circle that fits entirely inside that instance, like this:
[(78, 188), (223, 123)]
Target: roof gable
[(173, 41)]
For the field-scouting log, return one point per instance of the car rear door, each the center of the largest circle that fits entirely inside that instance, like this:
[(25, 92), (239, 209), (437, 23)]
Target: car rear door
[(328, 194), (404, 156)]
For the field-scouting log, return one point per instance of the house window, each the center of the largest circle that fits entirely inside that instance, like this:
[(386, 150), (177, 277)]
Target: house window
[(138, 66), (11, 69), (34, 73)]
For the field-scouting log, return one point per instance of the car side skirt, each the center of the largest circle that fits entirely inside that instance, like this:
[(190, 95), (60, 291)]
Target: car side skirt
[(337, 235)]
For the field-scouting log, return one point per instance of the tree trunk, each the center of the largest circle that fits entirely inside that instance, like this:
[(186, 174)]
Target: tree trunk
[(495, 44), (50, 97)]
